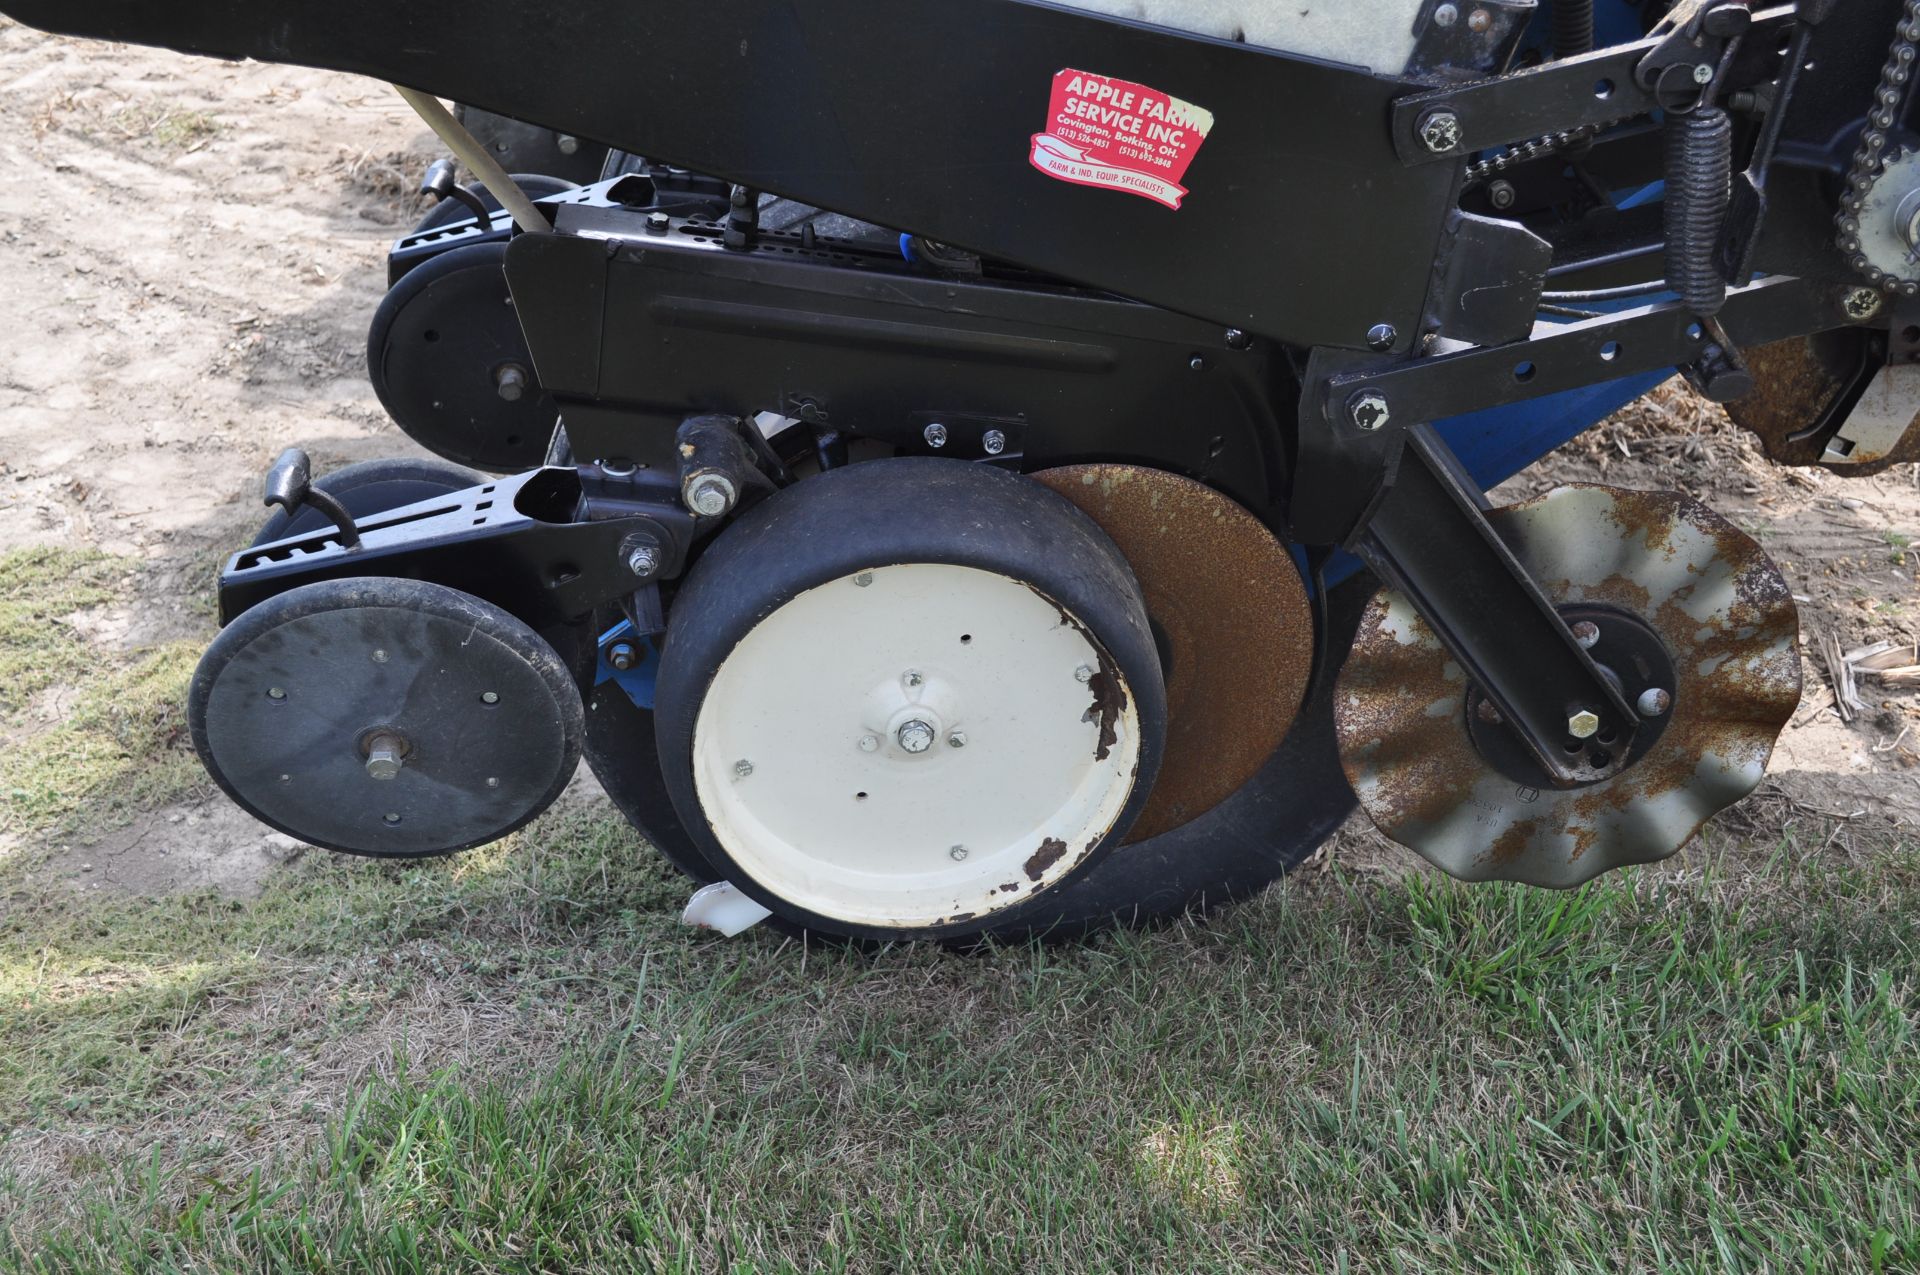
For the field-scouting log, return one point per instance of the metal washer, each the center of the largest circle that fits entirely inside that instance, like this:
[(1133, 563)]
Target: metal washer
[(288, 698)]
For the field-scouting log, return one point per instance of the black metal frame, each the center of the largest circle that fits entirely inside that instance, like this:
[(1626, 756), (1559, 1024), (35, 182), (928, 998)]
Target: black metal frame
[(1323, 218)]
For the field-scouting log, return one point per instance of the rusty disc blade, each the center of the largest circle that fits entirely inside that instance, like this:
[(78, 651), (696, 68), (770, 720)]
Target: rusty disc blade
[(1231, 613), (1717, 604)]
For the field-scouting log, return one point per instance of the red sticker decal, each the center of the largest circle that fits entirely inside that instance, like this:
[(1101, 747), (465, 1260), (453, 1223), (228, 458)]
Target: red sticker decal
[(1121, 135)]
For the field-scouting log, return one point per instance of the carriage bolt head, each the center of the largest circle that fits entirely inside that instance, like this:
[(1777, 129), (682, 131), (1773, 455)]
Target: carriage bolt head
[(490, 697), (913, 677), (1703, 73), (915, 736), (994, 441), (742, 768), (1861, 304), (1237, 339), (1445, 16), (1381, 336), (935, 434), (958, 739), (567, 143), (386, 754), (1440, 131), (957, 853), (643, 560), (869, 743), (710, 493), (622, 656), (1587, 634), (1654, 702), (510, 382), (1368, 410), (1583, 724)]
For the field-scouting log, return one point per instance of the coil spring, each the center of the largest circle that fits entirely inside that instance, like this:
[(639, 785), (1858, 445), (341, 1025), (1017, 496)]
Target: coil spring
[(1572, 28), (1699, 183)]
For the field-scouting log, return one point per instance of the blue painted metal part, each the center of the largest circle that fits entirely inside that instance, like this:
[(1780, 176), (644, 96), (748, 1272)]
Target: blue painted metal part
[(637, 681)]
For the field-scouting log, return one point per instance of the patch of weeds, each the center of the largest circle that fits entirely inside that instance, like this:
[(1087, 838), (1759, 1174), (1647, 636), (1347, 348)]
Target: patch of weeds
[(122, 748), (1897, 545), (40, 587)]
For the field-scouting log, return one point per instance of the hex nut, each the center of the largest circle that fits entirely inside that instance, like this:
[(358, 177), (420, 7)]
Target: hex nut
[(915, 736), (622, 656), (710, 493), (1440, 131), (1583, 724), (1368, 410), (1861, 304), (643, 561)]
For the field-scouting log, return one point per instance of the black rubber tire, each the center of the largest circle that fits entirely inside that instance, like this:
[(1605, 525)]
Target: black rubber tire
[(910, 510), (526, 652), (448, 211), (436, 390), (372, 487), (1233, 852)]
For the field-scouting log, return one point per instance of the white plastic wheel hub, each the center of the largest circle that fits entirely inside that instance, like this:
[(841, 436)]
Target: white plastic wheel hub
[(913, 746)]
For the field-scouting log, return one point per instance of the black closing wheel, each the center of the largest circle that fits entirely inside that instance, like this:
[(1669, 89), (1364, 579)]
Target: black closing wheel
[(909, 698), (386, 717), (448, 360), (372, 487)]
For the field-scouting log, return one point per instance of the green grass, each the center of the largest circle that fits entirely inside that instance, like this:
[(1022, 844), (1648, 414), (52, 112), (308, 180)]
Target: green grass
[(1707, 1071), (117, 740)]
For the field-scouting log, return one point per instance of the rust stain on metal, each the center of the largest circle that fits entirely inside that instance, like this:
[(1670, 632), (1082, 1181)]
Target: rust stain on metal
[(1050, 852), (1237, 630), (1725, 615), (1793, 387)]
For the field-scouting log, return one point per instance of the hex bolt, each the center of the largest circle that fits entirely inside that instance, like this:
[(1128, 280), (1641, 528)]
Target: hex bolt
[(742, 768), (386, 754), (622, 656), (958, 739), (994, 442), (1861, 304), (915, 736), (710, 493), (510, 382), (1083, 674), (1502, 195), (1381, 336), (869, 743), (1654, 702), (658, 223), (1584, 724), (957, 853), (568, 143), (644, 561), (1368, 410), (935, 434), (1440, 131), (1586, 633)]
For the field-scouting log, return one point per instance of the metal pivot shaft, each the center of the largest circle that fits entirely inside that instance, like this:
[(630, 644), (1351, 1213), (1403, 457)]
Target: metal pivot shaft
[(1430, 539)]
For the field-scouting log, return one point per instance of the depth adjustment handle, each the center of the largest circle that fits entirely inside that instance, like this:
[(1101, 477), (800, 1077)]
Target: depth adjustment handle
[(289, 485)]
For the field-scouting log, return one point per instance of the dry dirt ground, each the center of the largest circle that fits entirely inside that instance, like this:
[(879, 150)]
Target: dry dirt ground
[(190, 252)]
